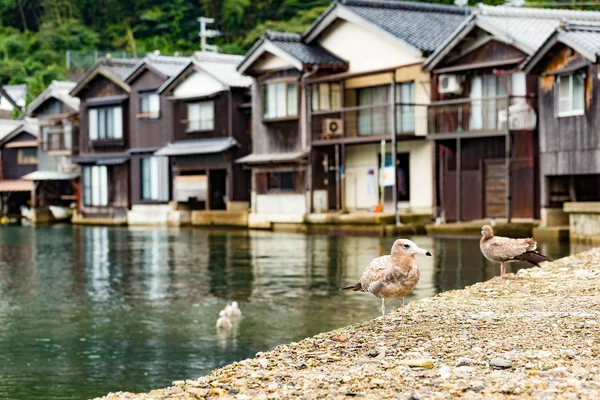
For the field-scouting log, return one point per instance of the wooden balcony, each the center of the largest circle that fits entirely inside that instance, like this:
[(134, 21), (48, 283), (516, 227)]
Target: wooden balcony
[(481, 117), (369, 123)]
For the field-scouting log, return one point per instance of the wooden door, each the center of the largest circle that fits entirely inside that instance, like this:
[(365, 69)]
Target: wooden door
[(495, 188)]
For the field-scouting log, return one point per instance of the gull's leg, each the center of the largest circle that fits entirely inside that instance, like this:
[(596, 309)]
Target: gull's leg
[(383, 309), (502, 270), (402, 314)]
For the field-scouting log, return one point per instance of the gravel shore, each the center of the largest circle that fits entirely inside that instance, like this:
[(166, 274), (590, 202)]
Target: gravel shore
[(535, 335)]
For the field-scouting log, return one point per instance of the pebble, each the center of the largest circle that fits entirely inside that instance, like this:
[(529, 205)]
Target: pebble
[(500, 363), (373, 353), (417, 363)]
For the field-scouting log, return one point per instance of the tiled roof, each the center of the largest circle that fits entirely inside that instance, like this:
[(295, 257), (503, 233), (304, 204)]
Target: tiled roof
[(58, 90), (529, 28), (120, 67), (166, 65), (271, 158), (292, 44), (584, 39), (424, 26), (195, 147), (226, 73)]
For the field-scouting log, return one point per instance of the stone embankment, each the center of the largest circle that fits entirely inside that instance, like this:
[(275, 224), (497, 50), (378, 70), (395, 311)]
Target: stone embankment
[(535, 335)]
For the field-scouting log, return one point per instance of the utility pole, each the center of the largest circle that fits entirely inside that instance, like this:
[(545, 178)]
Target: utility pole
[(207, 33)]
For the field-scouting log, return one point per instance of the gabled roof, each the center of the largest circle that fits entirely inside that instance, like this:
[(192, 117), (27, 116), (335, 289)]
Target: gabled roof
[(115, 70), (525, 28), (8, 125), (583, 38), (422, 26), (164, 66), (17, 93), (8, 97), (58, 90), (221, 67), (290, 47), (28, 125)]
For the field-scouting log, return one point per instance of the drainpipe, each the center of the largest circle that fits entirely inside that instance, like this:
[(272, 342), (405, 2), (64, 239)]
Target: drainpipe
[(307, 132)]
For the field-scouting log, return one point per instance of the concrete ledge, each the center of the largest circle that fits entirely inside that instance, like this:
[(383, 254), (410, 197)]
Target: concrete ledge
[(220, 218), (79, 219), (473, 228), (552, 233), (591, 207)]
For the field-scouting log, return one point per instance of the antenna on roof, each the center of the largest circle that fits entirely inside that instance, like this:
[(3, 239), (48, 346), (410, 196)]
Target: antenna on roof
[(207, 33)]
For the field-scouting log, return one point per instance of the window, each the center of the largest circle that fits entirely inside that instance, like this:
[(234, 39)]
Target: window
[(149, 106), (570, 94), (105, 123), (405, 108), (280, 181), (280, 100), (27, 156), (373, 120), (201, 116), (95, 186), (155, 183), (326, 96)]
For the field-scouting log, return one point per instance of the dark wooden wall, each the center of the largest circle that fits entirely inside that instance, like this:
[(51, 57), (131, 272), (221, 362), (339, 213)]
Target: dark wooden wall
[(149, 132), (101, 87), (221, 101), (10, 168), (50, 107)]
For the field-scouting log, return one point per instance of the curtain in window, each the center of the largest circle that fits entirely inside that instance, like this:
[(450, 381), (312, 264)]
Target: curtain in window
[(117, 119), (476, 119), (155, 178), (93, 123), (405, 114)]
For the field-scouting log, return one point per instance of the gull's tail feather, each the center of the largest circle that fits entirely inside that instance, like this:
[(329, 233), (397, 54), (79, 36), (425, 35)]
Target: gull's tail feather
[(533, 257), (356, 288)]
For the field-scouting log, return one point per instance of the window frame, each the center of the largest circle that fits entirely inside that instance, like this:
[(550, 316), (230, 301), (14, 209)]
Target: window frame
[(289, 102), (333, 97), (157, 177), (200, 104), (31, 160), (571, 112), (405, 110), (101, 114), (279, 188), (145, 99), (95, 193)]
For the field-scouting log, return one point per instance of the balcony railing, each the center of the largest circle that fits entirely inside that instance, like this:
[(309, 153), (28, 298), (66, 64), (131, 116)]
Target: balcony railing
[(57, 141), (370, 121), (482, 116)]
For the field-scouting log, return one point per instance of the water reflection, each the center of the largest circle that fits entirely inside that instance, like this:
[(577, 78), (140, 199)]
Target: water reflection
[(88, 310)]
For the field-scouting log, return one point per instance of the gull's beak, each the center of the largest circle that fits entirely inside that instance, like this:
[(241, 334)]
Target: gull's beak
[(426, 252)]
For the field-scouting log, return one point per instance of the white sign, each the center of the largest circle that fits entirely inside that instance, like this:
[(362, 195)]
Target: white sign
[(386, 176)]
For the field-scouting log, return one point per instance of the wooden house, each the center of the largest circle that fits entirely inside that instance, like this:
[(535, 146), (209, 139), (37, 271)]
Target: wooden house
[(361, 93), (56, 180), (103, 142), (483, 115), (209, 130), (18, 157), (150, 128), (568, 93)]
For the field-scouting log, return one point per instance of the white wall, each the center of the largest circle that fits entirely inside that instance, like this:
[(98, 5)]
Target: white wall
[(365, 50), (198, 84), (269, 61), (280, 204), (359, 190)]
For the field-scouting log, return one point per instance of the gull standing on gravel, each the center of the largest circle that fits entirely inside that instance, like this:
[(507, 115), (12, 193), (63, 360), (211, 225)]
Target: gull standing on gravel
[(504, 250), (393, 276), (223, 322)]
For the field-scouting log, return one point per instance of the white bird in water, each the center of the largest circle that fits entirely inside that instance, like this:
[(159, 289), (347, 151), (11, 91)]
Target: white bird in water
[(223, 322), (504, 250), (233, 310), (393, 276)]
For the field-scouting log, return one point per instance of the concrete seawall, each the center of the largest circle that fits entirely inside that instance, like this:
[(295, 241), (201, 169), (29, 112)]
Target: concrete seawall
[(535, 335)]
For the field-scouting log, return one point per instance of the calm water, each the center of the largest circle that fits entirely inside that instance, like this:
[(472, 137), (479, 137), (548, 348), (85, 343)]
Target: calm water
[(85, 311)]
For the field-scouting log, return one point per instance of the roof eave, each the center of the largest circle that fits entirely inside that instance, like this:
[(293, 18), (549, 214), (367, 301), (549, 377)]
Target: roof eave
[(438, 55), (267, 46), (139, 69), (172, 80), (99, 71)]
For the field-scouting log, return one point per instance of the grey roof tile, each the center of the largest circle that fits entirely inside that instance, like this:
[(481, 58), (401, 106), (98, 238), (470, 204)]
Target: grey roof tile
[(305, 53), (424, 26)]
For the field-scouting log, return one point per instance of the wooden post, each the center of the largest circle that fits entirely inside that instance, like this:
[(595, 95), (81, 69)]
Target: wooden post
[(508, 162), (337, 178), (458, 181), (394, 150), (208, 191)]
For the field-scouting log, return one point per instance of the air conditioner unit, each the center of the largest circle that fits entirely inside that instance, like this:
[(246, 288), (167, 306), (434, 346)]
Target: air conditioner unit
[(450, 84), (332, 127)]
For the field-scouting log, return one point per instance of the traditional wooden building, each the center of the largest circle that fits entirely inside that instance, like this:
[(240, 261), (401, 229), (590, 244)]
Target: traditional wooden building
[(103, 142), (210, 129), (483, 116), (18, 155), (150, 128), (362, 94), (56, 181), (568, 93)]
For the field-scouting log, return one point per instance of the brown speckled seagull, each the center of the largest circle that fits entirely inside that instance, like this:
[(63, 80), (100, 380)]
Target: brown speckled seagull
[(393, 276), (504, 250)]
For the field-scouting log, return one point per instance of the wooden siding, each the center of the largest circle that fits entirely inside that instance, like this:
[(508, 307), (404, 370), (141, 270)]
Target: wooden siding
[(10, 167), (101, 87), (221, 127), (489, 52), (50, 107), (145, 133)]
